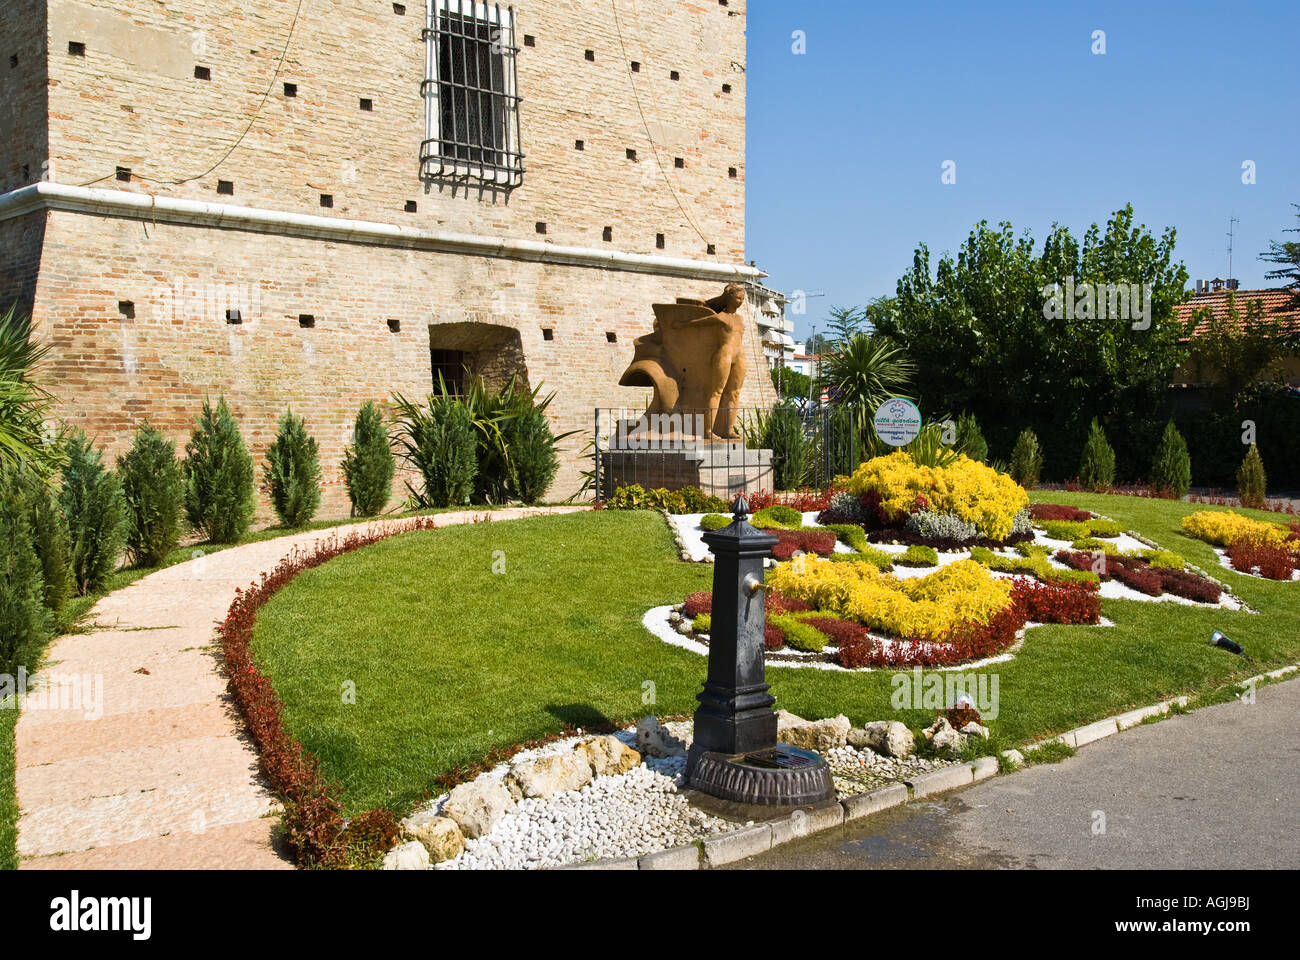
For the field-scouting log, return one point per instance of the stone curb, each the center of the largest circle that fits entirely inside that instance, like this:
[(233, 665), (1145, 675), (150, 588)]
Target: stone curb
[(737, 844), (945, 778), (678, 858)]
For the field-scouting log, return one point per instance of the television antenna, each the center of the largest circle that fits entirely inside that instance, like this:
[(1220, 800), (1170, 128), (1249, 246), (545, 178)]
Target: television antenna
[(1232, 221)]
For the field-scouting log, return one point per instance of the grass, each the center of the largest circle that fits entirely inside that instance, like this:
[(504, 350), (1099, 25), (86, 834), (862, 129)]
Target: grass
[(8, 800), (451, 661)]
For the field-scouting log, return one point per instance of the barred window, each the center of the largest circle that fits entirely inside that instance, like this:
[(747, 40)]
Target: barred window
[(470, 94)]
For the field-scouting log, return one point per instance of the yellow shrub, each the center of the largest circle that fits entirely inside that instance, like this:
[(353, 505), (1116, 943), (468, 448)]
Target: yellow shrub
[(1224, 528), (924, 607), (967, 488)]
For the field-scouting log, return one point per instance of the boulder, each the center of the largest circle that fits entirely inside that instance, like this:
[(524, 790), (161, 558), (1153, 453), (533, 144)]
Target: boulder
[(974, 729), (820, 736), (608, 756), (888, 737), (654, 740), (548, 776), (946, 741), (478, 806), (407, 856), (440, 836)]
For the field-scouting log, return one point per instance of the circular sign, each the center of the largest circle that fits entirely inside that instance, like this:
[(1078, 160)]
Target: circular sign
[(897, 421)]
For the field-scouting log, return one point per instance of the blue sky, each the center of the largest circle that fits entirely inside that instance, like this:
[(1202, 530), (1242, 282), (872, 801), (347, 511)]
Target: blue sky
[(846, 141)]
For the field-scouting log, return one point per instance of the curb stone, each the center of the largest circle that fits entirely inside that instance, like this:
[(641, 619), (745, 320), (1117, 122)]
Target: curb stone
[(738, 844), (801, 823), (626, 864), (945, 778), (1095, 731), (678, 858), (882, 798), (984, 767)]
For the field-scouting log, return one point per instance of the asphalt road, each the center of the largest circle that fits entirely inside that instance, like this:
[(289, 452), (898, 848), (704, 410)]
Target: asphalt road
[(1215, 788)]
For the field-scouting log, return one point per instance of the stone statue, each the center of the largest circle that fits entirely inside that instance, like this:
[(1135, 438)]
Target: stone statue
[(695, 360)]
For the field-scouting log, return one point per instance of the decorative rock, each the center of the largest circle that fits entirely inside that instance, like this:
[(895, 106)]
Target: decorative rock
[(608, 756), (477, 806), (547, 776), (654, 740), (944, 739), (820, 736), (408, 856), (440, 835), (974, 729), (785, 720), (888, 737), (1014, 758)]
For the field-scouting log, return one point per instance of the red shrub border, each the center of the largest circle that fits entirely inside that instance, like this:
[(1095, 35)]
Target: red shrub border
[(1274, 563)]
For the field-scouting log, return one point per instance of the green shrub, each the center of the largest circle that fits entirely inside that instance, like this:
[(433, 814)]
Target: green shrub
[(92, 503), (219, 486), (1097, 465), (368, 464), (1070, 530), (1162, 558), (1252, 482), (292, 472), (777, 517), (1103, 528), (440, 443), (918, 556), (1054, 575), (695, 500), (686, 500), (799, 635), (851, 535), (1171, 469), (970, 440), (782, 433), (1027, 548), (49, 538), (702, 623), (881, 559), (714, 521), (154, 491), (1093, 545), (530, 445), (1026, 459), (25, 621)]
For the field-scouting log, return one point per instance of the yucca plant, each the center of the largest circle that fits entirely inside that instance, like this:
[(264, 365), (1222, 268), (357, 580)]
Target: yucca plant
[(25, 439), (781, 431), (292, 472), (154, 488), (532, 447), (440, 441), (219, 484), (928, 448), (91, 499), (368, 464), (865, 372)]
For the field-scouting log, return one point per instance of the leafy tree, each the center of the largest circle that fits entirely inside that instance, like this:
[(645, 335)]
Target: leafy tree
[(154, 489), (292, 472), (791, 383), (983, 333), (1097, 465), (1286, 254), (1026, 459), (845, 323), (92, 502), (1252, 482), (368, 464), (219, 485), (1236, 350), (1171, 470)]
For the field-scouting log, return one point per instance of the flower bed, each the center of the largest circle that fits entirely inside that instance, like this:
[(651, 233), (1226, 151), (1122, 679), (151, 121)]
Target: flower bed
[(1252, 547)]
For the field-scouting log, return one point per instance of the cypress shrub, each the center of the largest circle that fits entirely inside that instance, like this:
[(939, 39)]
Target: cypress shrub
[(155, 492), (292, 472), (970, 440), (368, 463), (92, 502), (531, 448), (50, 539), (1097, 465), (1026, 459), (25, 621), (782, 433), (1171, 470), (219, 495), (440, 442), (1252, 482)]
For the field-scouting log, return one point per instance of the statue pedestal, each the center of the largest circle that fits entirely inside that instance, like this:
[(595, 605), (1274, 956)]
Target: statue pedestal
[(719, 469)]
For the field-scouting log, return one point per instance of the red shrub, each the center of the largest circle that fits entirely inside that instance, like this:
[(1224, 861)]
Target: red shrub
[(699, 602), (1057, 603), (859, 651), (775, 603), (821, 542), (773, 636), (1136, 574), (1272, 563), (838, 632), (1058, 511), (805, 501), (967, 641), (959, 716), (1184, 583)]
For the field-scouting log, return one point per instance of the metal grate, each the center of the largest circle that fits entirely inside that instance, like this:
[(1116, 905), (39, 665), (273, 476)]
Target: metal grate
[(470, 93)]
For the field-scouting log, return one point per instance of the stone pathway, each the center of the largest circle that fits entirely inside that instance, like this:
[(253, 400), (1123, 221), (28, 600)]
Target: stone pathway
[(156, 771)]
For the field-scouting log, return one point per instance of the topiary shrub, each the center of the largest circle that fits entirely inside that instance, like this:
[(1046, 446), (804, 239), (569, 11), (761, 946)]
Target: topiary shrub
[(49, 538), (1026, 459), (1171, 470), (714, 521), (919, 556), (154, 491), (218, 472), (777, 517), (440, 443), (1252, 481), (292, 472), (970, 440), (368, 464), (1097, 465), (25, 621), (530, 445), (91, 500)]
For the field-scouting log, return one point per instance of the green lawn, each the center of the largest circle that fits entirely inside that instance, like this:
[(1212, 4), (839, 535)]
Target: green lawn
[(450, 660)]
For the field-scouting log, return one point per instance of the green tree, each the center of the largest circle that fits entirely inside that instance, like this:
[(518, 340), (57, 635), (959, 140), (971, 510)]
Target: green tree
[(970, 440), (154, 489), (1235, 350), (791, 383), (1171, 469), (1097, 465), (1026, 460), (845, 323), (368, 464), (292, 472), (91, 499), (1252, 481), (50, 538), (983, 332), (219, 476), (25, 621), (1286, 254)]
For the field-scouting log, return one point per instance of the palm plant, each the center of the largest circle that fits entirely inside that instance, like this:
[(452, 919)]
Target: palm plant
[(865, 372), (24, 405)]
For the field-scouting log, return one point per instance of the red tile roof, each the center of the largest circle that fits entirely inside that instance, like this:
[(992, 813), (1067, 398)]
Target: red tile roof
[(1274, 302)]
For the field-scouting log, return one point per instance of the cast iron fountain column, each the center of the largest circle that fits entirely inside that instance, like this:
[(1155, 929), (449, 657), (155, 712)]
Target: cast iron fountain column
[(735, 754)]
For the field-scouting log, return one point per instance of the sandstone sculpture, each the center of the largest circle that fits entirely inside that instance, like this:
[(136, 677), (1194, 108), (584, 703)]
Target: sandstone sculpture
[(695, 360)]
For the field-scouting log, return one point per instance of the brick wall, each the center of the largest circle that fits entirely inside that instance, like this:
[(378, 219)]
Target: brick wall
[(23, 101)]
